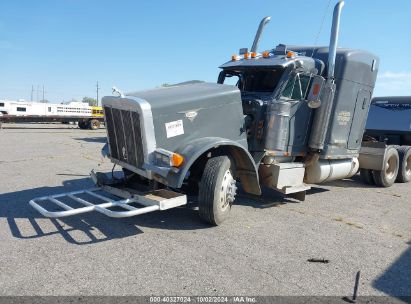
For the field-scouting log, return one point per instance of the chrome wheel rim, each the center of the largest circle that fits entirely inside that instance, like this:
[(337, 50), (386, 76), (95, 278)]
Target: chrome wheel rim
[(390, 167), (227, 191)]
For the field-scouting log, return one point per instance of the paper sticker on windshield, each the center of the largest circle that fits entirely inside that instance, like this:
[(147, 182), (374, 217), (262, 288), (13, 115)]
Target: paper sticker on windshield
[(174, 128)]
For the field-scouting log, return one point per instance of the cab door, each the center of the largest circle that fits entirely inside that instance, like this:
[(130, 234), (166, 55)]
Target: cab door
[(359, 119)]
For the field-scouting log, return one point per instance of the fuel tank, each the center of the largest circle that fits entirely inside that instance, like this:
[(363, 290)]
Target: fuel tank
[(328, 170)]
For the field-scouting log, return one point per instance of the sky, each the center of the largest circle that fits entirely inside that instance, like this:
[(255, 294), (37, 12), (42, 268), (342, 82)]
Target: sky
[(68, 45)]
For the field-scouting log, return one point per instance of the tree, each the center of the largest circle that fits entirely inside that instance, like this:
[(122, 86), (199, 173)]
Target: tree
[(90, 101)]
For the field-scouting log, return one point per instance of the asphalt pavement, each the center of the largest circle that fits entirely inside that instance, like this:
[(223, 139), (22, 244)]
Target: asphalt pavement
[(263, 249)]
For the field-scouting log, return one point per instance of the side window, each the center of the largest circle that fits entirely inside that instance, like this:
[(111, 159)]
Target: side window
[(49, 109), (288, 90), (297, 87), (21, 109), (305, 81), (1, 104), (231, 79)]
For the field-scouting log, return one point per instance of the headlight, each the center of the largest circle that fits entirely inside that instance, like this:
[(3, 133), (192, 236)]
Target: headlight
[(167, 158)]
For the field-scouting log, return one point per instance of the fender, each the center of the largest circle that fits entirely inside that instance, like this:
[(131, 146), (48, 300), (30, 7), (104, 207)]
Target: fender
[(246, 169)]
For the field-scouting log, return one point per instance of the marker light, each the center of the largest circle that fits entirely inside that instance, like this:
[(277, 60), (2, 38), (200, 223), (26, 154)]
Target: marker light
[(253, 54), (246, 55), (290, 54), (266, 54), (234, 57), (177, 160)]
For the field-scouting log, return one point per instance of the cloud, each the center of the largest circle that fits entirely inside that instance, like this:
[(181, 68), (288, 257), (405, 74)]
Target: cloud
[(393, 84)]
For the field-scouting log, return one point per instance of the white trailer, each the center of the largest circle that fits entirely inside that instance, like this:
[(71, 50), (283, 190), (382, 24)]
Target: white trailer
[(87, 117), (29, 108)]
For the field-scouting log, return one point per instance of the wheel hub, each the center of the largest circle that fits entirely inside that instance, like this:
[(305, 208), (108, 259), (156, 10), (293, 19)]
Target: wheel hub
[(390, 167), (228, 190)]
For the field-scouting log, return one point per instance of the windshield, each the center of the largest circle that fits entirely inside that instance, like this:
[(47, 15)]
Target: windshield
[(262, 80)]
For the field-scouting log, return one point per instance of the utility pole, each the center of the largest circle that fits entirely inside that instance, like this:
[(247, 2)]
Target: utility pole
[(32, 91), (38, 89), (43, 92), (97, 88)]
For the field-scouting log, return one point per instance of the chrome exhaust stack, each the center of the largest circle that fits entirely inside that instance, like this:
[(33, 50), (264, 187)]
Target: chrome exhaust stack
[(323, 113), (257, 37), (335, 30)]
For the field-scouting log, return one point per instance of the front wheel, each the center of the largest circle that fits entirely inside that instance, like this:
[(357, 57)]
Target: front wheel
[(217, 190)]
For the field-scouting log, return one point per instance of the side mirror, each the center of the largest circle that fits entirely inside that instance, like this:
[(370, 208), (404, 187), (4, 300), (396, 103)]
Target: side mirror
[(314, 93)]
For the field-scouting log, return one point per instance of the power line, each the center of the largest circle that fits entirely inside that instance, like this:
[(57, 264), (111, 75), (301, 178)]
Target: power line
[(321, 26), (38, 90)]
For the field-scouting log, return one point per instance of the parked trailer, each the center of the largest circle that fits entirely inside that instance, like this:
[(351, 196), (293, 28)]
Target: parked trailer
[(389, 124), (295, 117), (87, 117)]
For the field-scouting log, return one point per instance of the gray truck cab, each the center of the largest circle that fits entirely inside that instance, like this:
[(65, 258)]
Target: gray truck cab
[(283, 118), (289, 117)]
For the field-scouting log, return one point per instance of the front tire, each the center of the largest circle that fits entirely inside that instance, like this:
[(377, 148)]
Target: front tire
[(217, 190), (387, 176)]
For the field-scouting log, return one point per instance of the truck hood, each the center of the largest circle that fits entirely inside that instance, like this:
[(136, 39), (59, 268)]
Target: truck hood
[(182, 113)]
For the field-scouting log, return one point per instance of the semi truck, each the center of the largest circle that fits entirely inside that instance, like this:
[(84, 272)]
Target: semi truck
[(294, 117)]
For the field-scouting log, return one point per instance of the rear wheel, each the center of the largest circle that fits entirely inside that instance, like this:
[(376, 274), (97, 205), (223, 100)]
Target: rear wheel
[(217, 190), (404, 171), (82, 124), (387, 176), (94, 124), (367, 176)]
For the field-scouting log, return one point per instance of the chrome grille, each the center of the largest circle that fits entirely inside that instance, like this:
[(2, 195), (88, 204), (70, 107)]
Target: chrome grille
[(124, 136)]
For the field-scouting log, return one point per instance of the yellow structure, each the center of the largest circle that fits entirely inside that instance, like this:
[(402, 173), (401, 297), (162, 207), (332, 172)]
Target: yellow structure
[(97, 112)]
